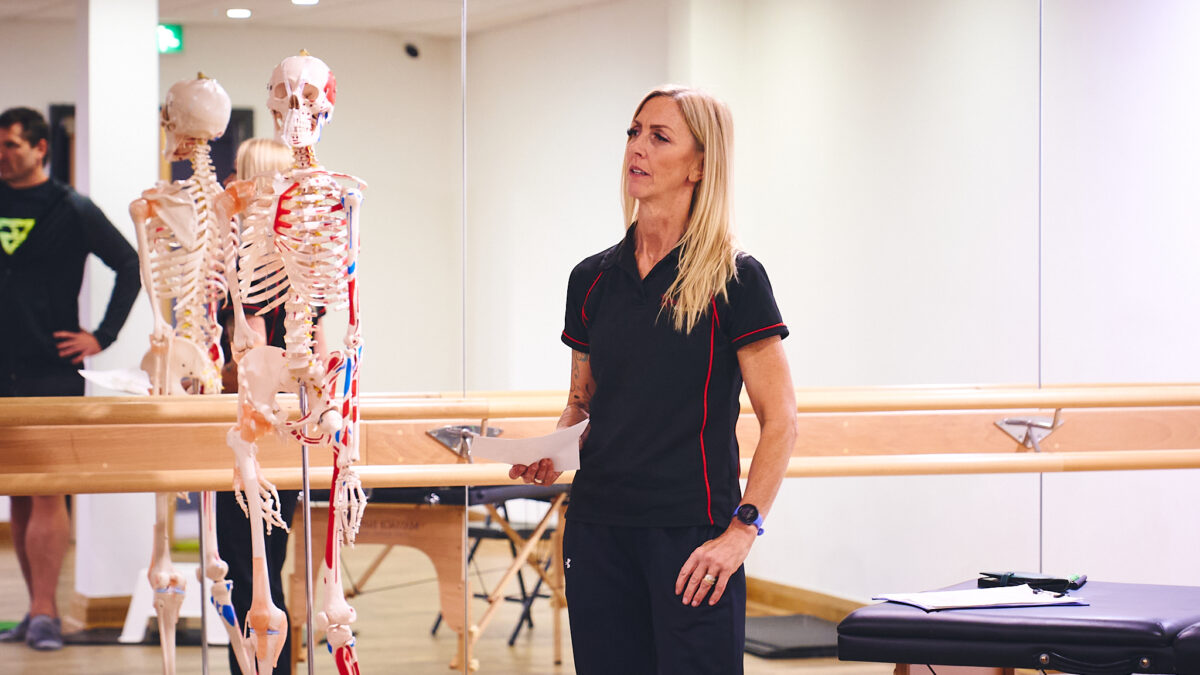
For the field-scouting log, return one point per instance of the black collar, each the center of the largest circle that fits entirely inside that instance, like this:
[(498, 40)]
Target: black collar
[(623, 255)]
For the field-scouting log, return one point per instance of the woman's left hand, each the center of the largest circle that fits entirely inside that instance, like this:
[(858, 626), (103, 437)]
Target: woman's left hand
[(541, 472), (708, 569)]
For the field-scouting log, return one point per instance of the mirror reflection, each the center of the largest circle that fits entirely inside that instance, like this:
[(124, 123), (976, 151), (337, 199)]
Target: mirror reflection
[(397, 126)]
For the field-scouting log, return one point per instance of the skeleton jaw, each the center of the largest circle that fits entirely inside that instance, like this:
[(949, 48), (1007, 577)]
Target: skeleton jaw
[(299, 128)]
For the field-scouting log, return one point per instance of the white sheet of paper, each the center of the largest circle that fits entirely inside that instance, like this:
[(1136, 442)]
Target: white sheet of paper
[(1000, 596), (129, 380), (562, 446)]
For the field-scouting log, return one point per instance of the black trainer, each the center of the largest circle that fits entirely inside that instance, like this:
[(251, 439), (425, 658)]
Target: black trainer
[(44, 633)]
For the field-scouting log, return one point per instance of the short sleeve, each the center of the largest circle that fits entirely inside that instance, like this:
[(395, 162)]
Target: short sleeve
[(751, 314), (575, 323)]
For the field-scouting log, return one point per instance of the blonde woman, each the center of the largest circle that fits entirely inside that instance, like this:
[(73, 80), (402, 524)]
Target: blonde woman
[(258, 159), (665, 327)]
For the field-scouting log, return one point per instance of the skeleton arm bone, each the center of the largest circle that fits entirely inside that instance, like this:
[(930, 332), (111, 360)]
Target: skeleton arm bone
[(234, 200), (141, 210)]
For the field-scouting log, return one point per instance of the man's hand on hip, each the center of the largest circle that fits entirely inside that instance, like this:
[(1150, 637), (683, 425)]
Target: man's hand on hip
[(76, 346)]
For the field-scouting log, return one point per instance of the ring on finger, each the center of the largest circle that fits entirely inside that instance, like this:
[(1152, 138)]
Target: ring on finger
[(708, 580)]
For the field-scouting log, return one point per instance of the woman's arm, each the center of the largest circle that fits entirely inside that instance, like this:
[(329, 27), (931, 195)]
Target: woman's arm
[(769, 385), (578, 409)]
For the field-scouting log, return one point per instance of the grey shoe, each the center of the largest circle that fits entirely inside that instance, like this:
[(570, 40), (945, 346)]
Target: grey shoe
[(16, 633), (44, 633)]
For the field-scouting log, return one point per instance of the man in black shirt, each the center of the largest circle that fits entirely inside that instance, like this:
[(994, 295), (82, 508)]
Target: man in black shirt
[(47, 231)]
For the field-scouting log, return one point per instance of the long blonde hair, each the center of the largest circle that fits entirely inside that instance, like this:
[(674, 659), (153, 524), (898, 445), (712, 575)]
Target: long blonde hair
[(259, 159), (708, 254)]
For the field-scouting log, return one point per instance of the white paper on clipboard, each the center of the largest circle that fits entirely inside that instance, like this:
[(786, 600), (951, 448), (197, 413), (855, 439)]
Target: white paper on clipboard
[(562, 446)]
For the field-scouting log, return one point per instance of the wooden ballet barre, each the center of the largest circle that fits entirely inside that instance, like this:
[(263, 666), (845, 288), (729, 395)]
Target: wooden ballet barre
[(56, 445), (439, 475), (191, 480), (53, 411), (979, 463)]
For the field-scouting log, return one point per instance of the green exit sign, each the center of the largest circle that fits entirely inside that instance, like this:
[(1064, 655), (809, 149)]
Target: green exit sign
[(170, 38)]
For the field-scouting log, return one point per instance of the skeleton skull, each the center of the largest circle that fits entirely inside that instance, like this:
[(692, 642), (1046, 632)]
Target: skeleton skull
[(300, 96), (194, 110)]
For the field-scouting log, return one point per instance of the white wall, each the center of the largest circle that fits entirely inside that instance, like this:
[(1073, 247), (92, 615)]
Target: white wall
[(548, 102), (50, 78), (1122, 106)]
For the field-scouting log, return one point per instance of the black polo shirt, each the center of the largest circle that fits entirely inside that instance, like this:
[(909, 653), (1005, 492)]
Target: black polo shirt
[(662, 450)]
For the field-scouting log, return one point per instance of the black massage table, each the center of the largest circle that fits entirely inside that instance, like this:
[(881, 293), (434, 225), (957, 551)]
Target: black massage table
[(1125, 628)]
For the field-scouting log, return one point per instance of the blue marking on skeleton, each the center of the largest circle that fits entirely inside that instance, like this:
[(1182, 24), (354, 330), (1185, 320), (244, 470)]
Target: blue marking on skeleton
[(350, 269), (227, 613)]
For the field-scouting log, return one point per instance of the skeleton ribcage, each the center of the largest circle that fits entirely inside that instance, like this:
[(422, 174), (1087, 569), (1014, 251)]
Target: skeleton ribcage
[(186, 266), (298, 242)]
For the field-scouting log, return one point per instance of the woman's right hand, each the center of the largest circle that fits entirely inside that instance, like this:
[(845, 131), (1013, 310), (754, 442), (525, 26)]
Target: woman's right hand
[(541, 472)]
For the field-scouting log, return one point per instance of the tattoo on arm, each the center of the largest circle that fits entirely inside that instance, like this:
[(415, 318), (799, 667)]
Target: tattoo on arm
[(581, 393)]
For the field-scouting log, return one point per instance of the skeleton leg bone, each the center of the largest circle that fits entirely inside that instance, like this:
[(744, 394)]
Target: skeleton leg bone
[(266, 624), (216, 570), (336, 618), (168, 584)]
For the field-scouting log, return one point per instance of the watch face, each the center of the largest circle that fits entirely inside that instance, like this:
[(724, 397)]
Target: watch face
[(747, 513)]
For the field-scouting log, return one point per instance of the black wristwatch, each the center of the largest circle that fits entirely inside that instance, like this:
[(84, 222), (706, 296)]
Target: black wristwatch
[(748, 514)]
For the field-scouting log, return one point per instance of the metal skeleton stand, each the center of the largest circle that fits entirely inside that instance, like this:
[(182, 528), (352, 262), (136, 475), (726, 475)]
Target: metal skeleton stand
[(308, 575), (203, 600), (464, 449)]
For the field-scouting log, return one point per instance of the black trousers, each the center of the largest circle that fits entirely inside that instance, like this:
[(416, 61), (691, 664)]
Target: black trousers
[(233, 543), (625, 617), (60, 383)]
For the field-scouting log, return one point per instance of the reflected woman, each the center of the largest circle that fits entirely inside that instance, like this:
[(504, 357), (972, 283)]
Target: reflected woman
[(664, 328)]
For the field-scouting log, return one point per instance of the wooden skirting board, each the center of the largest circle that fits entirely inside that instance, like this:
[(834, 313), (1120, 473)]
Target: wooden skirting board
[(95, 612), (768, 598)]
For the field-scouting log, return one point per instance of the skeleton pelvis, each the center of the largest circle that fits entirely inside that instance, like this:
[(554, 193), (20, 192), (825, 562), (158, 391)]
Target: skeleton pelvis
[(263, 372), (181, 360)]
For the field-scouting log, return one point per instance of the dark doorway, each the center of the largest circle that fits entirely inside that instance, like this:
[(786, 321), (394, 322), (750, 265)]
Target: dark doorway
[(224, 149)]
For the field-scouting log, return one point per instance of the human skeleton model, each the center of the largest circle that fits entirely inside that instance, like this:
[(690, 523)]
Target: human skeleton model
[(182, 246), (299, 245)]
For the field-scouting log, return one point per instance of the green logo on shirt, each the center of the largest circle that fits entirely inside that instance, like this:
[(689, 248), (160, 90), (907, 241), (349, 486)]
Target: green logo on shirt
[(13, 232)]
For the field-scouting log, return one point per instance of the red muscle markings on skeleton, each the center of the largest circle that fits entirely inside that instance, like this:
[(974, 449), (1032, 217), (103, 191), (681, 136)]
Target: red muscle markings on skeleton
[(182, 245), (298, 248)]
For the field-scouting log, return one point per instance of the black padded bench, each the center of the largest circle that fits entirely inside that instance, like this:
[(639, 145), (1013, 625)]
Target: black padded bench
[(1125, 628)]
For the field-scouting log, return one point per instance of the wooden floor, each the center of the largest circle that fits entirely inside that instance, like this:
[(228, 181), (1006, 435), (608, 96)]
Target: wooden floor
[(395, 613)]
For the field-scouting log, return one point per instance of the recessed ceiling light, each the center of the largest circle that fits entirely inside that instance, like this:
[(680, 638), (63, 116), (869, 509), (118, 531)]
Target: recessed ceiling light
[(305, 2), (237, 13)]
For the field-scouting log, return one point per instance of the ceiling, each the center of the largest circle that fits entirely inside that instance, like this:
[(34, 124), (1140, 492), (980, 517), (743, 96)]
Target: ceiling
[(442, 18)]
